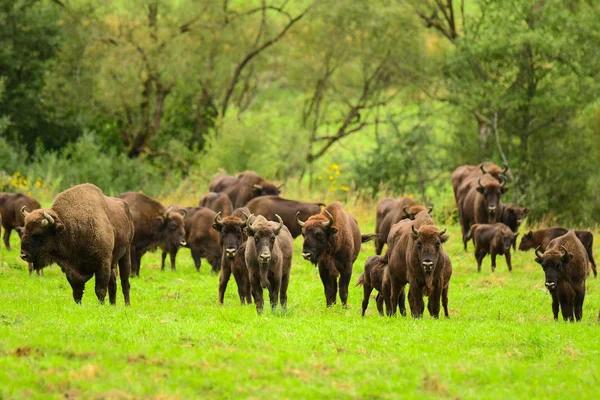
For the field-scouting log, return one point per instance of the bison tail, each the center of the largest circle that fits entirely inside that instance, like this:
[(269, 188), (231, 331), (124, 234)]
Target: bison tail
[(368, 237), (471, 231), (361, 280)]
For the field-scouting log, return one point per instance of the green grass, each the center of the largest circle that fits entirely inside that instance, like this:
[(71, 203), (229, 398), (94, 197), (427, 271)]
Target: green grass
[(175, 341)]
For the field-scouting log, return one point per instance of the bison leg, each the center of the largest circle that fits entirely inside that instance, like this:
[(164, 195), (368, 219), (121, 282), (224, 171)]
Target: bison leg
[(445, 300), (102, 282), (433, 303), (493, 256), (394, 296), (173, 255), (402, 301), (6, 236), (77, 286), (555, 305), (136, 259), (163, 257), (274, 287), (378, 245), (591, 257), (285, 280), (112, 287), (415, 300), (344, 282), (224, 280), (579, 297), (367, 289), (566, 305), (379, 302), (197, 258), (479, 256), (257, 292), (387, 295), (329, 285), (508, 259), (124, 272)]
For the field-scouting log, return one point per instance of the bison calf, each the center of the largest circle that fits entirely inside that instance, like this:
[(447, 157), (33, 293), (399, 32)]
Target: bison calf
[(565, 266), (492, 239), (372, 278), (269, 260)]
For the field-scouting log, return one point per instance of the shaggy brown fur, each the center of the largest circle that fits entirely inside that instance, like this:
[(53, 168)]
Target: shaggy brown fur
[(154, 227), (390, 211), (86, 234), (512, 216), (372, 278), (10, 210), (243, 188), (268, 256), (218, 202), (233, 246), (268, 206), (334, 245), (465, 173), (565, 266), (542, 237), (492, 239)]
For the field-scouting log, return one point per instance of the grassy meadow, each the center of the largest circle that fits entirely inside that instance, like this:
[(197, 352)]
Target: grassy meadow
[(175, 341)]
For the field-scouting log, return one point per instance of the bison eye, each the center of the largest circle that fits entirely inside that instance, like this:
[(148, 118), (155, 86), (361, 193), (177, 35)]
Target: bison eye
[(256, 239), (438, 244), (419, 245)]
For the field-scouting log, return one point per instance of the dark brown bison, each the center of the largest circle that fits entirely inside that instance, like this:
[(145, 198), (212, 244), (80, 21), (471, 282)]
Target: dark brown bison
[(268, 206), (155, 226), (565, 265), (233, 246), (372, 278), (512, 216), (542, 237), (200, 238), (268, 256), (218, 202), (390, 211), (492, 239), (10, 210), (481, 205), (243, 188), (465, 173), (332, 240), (416, 256), (86, 234)]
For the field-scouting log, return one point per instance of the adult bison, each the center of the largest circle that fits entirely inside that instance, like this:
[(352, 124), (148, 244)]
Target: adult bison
[(10, 211), (200, 238), (218, 202), (481, 205), (269, 260), (86, 234), (463, 176), (542, 237), (390, 211), (269, 206), (565, 266), (332, 240), (492, 239), (233, 246), (243, 188), (155, 226), (416, 257)]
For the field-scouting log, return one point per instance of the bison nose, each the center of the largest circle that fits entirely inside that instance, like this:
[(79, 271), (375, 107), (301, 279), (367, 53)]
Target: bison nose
[(230, 252), (182, 243), (519, 221), (306, 255), (265, 257), (427, 265), (24, 256), (550, 285)]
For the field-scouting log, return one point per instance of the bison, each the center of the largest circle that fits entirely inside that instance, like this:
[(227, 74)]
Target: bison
[(86, 234), (462, 177), (372, 278), (269, 260), (200, 238), (233, 246), (565, 267), (332, 240), (492, 239), (155, 226), (416, 257), (512, 216), (10, 211), (218, 202), (268, 206), (390, 211), (542, 237), (243, 188), (481, 205)]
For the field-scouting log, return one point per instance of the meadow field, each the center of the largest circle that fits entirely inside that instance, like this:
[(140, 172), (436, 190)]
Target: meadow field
[(175, 341)]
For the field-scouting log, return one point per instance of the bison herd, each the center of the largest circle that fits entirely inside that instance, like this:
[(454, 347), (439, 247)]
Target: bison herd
[(242, 227)]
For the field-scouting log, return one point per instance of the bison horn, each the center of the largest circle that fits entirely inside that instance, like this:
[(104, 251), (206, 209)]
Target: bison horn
[(300, 223), (405, 209), (565, 252), (537, 252), (248, 227), (280, 224), (482, 169), (479, 182), (259, 187), (217, 220), (429, 209), (167, 212), (331, 220), (504, 180), (415, 231), (505, 168), (24, 211), (48, 218), (443, 232), (185, 212)]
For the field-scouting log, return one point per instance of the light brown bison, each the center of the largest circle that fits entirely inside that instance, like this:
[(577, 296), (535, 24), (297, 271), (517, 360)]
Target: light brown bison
[(10, 211), (390, 211), (268, 206), (243, 188), (268, 256), (218, 202), (155, 226), (233, 259), (332, 240), (492, 239), (542, 237), (86, 234), (565, 266), (372, 278)]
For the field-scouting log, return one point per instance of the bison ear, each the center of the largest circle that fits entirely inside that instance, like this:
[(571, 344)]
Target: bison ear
[(503, 189), (444, 238), (529, 234), (566, 258), (59, 227), (526, 210), (332, 230), (516, 234), (480, 189), (538, 260), (216, 227)]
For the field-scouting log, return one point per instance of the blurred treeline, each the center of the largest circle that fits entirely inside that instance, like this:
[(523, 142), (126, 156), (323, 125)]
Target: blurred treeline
[(368, 97)]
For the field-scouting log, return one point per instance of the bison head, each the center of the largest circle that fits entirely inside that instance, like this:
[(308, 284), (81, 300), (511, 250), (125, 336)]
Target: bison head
[(266, 188), (317, 232), (508, 238), (554, 261), (514, 215), (412, 211), (427, 242), (231, 229), (527, 242), (40, 237), (264, 234), (491, 191), (171, 228)]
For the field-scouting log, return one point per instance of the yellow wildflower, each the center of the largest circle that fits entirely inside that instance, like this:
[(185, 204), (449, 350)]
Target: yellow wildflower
[(345, 188), (410, 195)]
